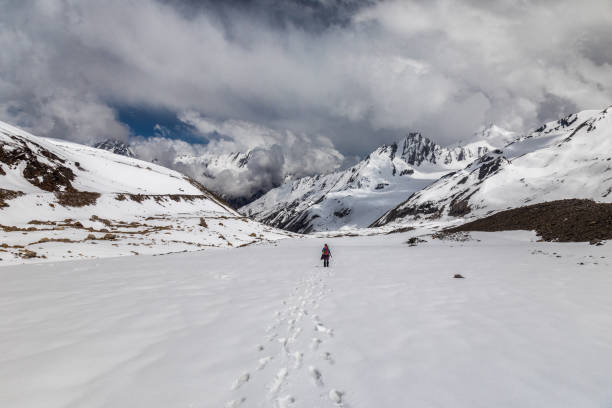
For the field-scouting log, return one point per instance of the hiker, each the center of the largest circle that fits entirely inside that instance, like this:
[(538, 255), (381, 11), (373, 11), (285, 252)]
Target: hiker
[(326, 253)]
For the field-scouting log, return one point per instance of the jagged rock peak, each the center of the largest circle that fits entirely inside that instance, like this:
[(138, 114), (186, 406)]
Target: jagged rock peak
[(415, 149), (115, 146)]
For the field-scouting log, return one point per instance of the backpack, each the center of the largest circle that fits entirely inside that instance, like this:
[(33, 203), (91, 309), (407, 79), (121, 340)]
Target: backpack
[(326, 251)]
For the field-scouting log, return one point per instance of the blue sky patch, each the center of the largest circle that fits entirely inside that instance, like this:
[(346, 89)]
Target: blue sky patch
[(146, 122)]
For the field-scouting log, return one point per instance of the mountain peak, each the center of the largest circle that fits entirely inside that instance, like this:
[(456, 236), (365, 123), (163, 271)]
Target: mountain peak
[(414, 149), (496, 136), (115, 146)]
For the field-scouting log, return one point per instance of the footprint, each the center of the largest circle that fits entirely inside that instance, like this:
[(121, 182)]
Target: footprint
[(328, 357), (285, 402), (315, 343), (235, 403), (278, 380), (336, 396), (316, 376), (297, 359), (283, 343), (240, 381), (260, 347), (295, 335), (263, 362), (322, 329)]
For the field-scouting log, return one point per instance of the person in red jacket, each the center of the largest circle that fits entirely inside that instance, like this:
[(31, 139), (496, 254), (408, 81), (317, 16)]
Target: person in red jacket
[(326, 253)]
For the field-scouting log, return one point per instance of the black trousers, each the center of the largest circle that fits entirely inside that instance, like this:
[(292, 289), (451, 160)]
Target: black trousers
[(325, 261)]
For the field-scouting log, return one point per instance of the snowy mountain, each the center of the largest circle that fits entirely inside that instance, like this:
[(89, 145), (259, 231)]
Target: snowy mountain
[(359, 195), (54, 192), (115, 146), (211, 169), (567, 158)]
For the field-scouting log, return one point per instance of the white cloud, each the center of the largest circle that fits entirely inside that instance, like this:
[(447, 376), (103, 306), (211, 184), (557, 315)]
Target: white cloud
[(443, 67), (273, 155)]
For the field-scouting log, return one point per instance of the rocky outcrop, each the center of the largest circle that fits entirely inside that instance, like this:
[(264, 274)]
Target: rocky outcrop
[(116, 146), (562, 220)]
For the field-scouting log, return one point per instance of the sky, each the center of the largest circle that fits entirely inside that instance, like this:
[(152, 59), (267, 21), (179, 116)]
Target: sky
[(321, 80)]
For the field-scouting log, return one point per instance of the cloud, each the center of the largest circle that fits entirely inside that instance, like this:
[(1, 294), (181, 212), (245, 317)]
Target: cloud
[(273, 155), (358, 72), (502, 62)]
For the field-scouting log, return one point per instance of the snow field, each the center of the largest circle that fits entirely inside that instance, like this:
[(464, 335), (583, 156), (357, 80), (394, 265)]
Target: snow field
[(295, 362), (266, 326), (153, 232)]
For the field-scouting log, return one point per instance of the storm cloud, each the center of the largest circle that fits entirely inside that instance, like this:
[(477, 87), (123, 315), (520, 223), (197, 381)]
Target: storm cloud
[(344, 75), (273, 155)]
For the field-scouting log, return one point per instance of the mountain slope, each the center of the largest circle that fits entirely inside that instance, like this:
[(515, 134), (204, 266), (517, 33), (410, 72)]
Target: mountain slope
[(569, 220), (215, 170), (359, 195), (568, 158), (54, 192)]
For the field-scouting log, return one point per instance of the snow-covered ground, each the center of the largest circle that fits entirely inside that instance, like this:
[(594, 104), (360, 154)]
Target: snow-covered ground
[(266, 326)]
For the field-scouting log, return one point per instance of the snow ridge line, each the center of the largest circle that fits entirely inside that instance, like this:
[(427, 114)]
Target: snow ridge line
[(296, 356)]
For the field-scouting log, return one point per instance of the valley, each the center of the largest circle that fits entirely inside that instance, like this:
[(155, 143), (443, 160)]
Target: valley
[(305, 204)]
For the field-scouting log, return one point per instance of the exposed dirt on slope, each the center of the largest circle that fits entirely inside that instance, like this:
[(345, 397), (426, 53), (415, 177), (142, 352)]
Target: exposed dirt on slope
[(6, 195), (42, 168), (161, 198), (563, 220), (74, 198)]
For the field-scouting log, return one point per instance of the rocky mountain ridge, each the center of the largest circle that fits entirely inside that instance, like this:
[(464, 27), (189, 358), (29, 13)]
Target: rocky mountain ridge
[(115, 146), (564, 159), (357, 196)]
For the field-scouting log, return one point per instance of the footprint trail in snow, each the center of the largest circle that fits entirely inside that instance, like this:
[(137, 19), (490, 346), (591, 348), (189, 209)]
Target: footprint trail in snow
[(292, 370)]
